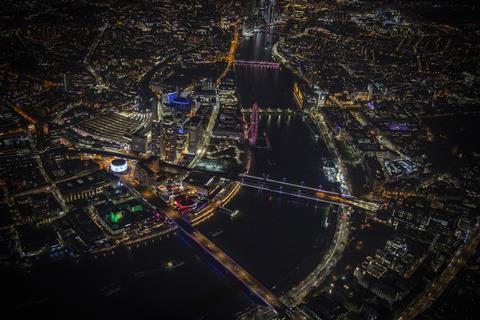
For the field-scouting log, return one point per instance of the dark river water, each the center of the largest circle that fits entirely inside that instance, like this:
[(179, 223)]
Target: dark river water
[(277, 239)]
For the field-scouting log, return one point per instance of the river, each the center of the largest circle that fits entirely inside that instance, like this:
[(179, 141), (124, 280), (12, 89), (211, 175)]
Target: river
[(277, 239)]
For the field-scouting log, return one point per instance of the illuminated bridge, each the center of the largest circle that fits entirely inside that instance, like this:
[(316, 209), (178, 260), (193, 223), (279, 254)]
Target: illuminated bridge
[(257, 64), (270, 110), (290, 189), (246, 279), (263, 183), (304, 192)]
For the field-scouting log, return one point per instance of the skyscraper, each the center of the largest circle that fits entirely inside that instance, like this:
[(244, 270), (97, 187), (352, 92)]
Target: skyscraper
[(169, 142), (269, 11), (195, 134), (164, 140), (156, 145), (370, 91)]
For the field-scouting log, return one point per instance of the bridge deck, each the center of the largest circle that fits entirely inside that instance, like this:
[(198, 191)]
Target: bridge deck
[(270, 110), (268, 64), (306, 192)]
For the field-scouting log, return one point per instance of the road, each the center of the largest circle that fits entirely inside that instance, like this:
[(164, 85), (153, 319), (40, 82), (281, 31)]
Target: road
[(86, 61), (207, 134), (321, 271), (231, 52), (216, 107), (53, 186)]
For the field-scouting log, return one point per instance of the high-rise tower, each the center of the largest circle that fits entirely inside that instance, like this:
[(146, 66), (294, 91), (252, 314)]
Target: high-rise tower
[(269, 11)]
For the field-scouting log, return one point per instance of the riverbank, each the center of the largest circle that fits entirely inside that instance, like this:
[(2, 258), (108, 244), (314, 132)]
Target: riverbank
[(300, 292), (286, 63)]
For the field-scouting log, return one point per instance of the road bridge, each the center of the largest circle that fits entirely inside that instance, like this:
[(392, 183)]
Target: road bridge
[(264, 110), (245, 278), (257, 64)]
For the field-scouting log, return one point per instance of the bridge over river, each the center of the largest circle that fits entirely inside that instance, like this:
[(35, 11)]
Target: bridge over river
[(245, 278), (257, 64)]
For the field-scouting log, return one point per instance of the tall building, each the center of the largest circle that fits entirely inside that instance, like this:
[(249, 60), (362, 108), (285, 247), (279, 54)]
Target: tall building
[(164, 140), (370, 92), (182, 139), (320, 96), (269, 11), (156, 145), (169, 142), (207, 84), (195, 134)]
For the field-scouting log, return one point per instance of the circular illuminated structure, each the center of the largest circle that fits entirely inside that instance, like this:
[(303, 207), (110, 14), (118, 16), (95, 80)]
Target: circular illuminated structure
[(118, 166), (180, 103)]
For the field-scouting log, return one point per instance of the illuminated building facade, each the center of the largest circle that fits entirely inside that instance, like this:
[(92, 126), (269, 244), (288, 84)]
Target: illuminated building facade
[(156, 144), (169, 142), (202, 183), (298, 95), (253, 133), (185, 203), (118, 166), (195, 134), (171, 96), (83, 188), (180, 104), (164, 140), (176, 102)]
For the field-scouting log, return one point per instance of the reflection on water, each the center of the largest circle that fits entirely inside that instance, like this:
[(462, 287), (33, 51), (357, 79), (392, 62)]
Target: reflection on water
[(277, 239), (296, 155), (269, 88)]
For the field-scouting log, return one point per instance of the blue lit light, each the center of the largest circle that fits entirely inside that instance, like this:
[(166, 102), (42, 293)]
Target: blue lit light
[(171, 97), (180, 103)]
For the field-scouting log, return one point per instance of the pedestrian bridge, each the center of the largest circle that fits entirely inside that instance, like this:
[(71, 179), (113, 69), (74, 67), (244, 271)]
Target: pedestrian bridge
[(283, 187), (304, 192)]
